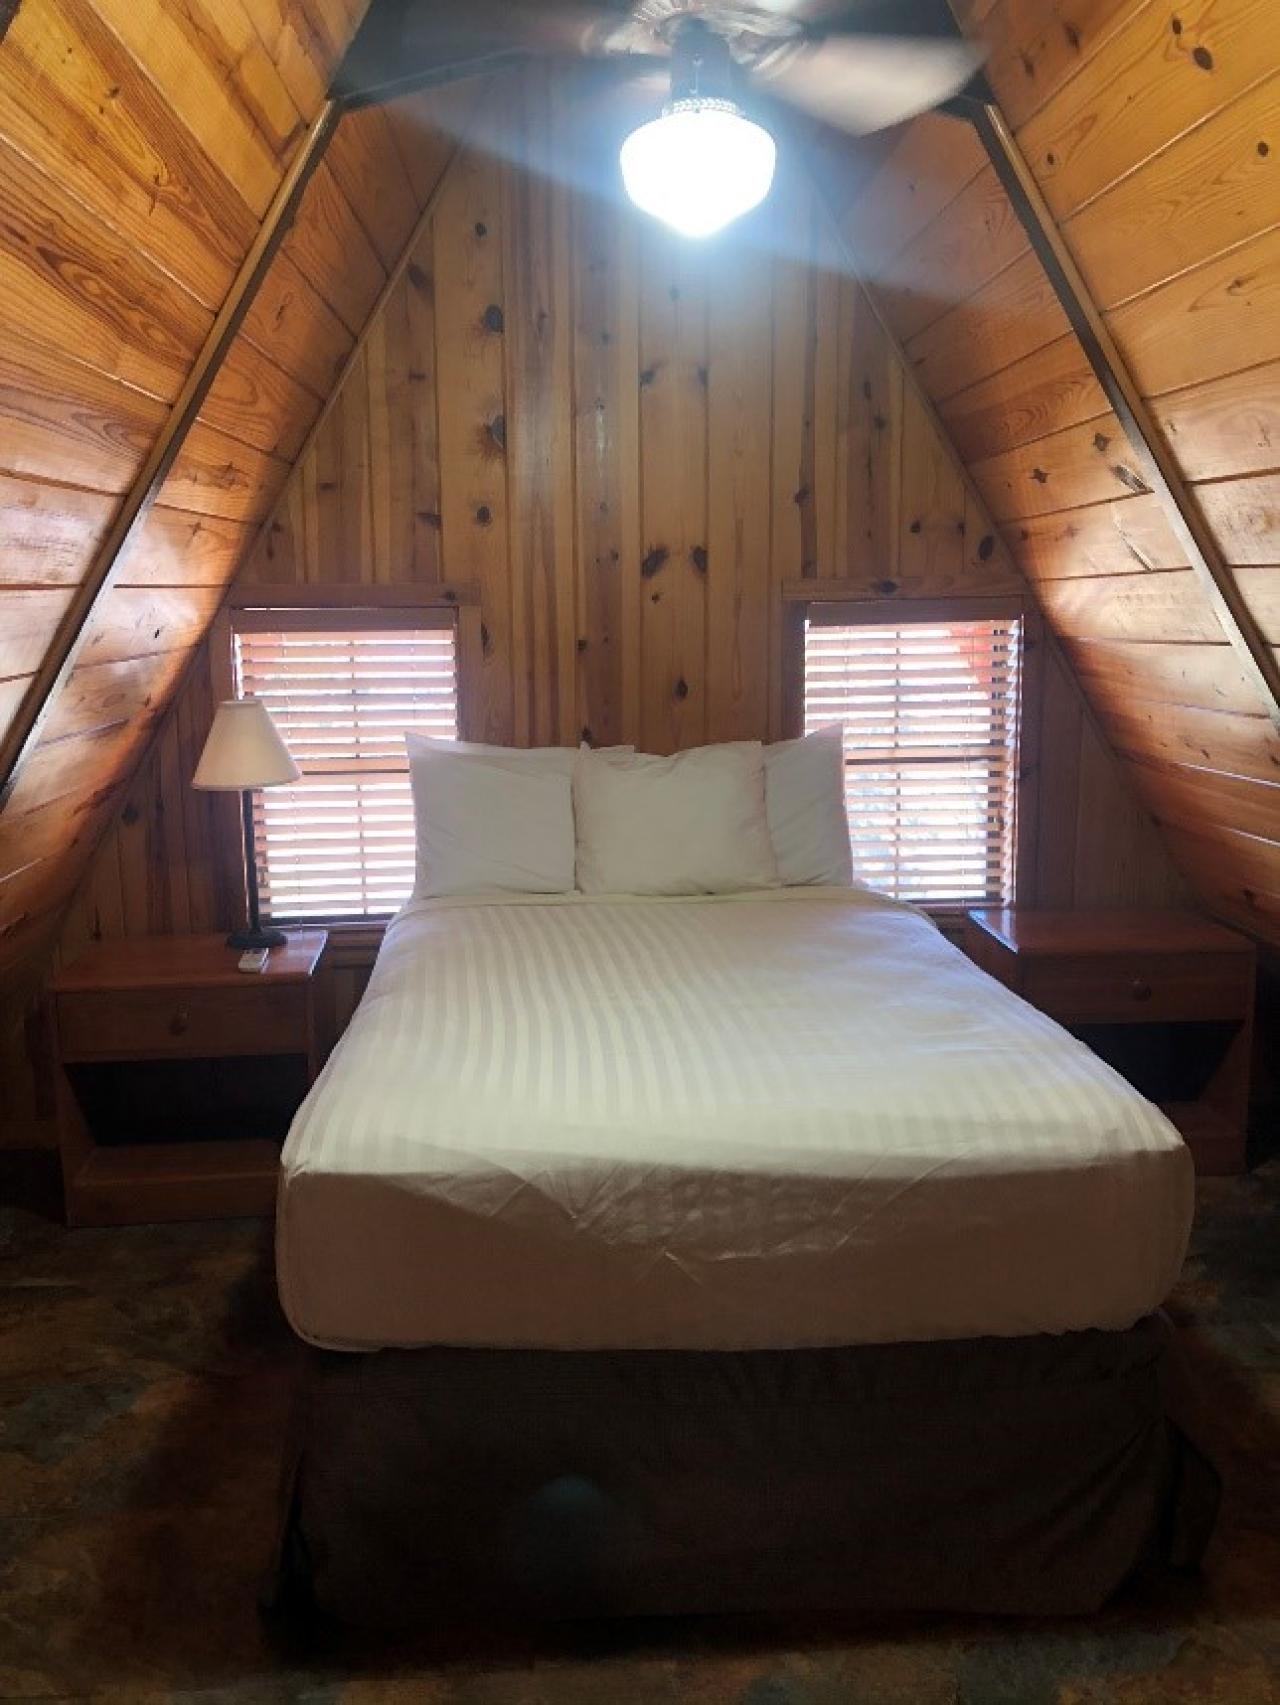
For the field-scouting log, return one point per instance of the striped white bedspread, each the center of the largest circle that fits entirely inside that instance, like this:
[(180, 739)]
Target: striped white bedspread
[(796, 1118)]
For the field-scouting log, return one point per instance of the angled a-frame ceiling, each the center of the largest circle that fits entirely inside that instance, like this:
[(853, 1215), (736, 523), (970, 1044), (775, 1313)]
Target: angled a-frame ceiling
[(142, 147), (1152, 130)]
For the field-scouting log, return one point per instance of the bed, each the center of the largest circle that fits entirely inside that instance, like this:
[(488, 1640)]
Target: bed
[(723, 1254)]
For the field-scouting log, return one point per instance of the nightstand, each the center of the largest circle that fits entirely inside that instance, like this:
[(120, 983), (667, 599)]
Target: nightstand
[(177, 1075), (1165, 997)]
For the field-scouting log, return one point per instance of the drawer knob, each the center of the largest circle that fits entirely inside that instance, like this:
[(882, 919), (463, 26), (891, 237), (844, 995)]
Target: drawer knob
[(178, 1023), (1141, 991)]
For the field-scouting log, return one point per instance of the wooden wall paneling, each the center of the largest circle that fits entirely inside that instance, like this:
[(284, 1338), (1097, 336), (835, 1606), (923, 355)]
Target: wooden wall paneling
[(931, 553), (467, 251), (674, 465), (739, 499), (873, 471), (537, 424), (606, 407)]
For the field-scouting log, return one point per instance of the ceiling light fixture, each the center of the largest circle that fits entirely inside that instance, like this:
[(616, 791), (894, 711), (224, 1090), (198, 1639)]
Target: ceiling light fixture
[(699, 166), (702, 162)]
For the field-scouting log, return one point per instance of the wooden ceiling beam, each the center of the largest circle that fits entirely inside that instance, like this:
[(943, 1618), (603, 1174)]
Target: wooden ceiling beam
[(24, 733), (1159, 469)]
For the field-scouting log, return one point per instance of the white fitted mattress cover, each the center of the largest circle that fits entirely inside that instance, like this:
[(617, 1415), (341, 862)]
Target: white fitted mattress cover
[(792, 1118)]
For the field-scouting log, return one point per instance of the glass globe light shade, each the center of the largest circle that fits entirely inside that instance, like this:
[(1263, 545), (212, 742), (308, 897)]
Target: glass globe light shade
[(699, 165)]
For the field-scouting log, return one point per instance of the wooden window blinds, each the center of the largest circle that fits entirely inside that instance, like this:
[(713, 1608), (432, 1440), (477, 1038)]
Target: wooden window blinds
[(339, 843), (930, 710)]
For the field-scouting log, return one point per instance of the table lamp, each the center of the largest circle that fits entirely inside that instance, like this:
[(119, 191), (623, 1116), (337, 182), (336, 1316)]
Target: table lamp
[(244, 751)]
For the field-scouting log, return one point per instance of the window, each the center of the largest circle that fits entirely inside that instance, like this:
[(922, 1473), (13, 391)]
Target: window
[(342, 687), (931, 718)]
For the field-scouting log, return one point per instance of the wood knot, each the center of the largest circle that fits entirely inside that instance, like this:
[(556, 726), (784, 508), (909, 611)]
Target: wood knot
[(1129, 479), (884, 588), (582, 646), (587, 735), (654, 561), (484, 515), (1101, 443), (429, 518), (986, 544), (1039, 476), (915, 526), (682, 688), (486, 641), (494, 320), (801, 494), (498, 430), (1203, 58), (698, 557), (420, 278), (480, 228), (648, 375)]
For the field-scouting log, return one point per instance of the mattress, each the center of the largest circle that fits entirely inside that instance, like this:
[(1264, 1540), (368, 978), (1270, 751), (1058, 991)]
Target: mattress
[(799, 1118)]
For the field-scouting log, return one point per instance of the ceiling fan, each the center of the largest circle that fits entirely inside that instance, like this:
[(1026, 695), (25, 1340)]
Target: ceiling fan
[(704, 158)]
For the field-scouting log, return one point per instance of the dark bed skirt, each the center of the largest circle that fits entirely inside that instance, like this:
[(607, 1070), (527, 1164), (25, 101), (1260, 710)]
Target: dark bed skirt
[(996, 1475)]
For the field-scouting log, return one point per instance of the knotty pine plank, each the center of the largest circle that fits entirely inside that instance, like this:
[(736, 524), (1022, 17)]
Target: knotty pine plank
[(175, 547), (539, 444), (256, 401), (1211, 190), (1016, 313), (1162, 72), (673, 448), (1127, 535), (291, 324), (740, 364), (48, 532), (62, 421), (975, 237), (1244, 516), (467, 249), (1167, 605), (1219, 317), (1082, 465), (68, 282), (1043, 393), (1035, 46), (74, 103), (1206, 677), (606, 405), (932, 161)]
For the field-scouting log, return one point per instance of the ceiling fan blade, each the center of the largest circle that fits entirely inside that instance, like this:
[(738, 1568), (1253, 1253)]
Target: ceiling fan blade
[(864, 83)]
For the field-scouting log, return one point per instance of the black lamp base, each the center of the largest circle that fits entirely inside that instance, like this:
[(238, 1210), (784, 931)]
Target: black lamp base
[(249, 940)]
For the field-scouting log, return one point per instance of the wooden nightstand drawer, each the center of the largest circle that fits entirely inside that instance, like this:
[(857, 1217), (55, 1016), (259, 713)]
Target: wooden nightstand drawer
[(95, 1024), (1139, 987)]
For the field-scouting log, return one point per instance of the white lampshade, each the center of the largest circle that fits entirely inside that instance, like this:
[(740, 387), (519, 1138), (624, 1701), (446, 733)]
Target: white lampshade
[(698, 166), (244, 749)]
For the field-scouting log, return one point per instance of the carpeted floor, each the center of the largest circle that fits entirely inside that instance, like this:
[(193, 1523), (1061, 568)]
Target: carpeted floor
[(143, 1379)]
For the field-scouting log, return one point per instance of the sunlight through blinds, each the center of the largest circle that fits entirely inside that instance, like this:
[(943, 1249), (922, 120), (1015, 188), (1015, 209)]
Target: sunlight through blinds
[(339, 843), (931, 723)]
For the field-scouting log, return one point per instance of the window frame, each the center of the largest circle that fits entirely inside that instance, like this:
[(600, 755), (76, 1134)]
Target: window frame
[(839, 606), (267, 606)]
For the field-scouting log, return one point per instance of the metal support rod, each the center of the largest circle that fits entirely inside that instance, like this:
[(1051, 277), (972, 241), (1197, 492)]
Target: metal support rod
[(1160, 470)]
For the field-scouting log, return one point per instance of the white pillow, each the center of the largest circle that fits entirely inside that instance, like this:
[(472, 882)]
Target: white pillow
[(485, 824), (694, 823), (804, 793)]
